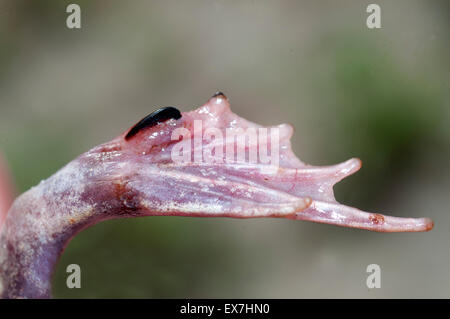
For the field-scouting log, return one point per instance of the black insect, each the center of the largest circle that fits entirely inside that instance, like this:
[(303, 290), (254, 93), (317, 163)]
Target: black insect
[(159, 116), (218, 93)]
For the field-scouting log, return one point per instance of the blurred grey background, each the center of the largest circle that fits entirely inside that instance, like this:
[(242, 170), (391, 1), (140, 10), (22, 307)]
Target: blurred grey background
[(381, 95)]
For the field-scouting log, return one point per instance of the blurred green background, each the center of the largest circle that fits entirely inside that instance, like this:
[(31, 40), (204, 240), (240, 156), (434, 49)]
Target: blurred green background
[(381, 95)]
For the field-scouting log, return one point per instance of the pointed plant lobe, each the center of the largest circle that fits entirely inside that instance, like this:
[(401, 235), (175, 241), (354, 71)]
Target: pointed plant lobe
[(135, 175)]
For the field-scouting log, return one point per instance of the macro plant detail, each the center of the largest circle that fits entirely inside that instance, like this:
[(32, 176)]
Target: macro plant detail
[(134, 175)]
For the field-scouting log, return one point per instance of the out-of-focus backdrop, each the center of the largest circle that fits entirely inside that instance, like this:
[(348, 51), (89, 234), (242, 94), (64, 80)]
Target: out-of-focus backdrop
[(381, 95)]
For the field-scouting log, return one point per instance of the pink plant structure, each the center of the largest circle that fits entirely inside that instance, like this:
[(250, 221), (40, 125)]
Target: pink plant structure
[(134, 175)]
